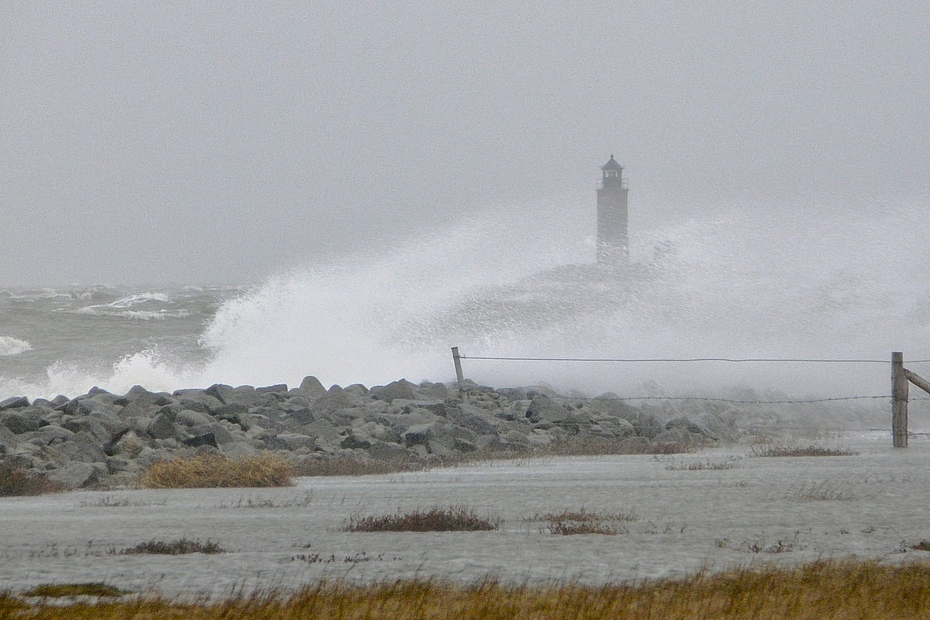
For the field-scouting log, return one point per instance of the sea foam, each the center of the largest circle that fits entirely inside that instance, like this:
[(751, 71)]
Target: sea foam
[(13, 346)]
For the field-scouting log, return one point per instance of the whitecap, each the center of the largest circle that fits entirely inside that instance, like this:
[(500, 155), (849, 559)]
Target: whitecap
[(137, 299), (13, 346)]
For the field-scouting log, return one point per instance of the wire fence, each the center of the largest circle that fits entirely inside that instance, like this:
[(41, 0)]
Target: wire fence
[(725, 360)]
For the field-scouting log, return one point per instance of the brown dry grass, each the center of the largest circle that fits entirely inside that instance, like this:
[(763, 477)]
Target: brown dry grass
[(572, 522), (789, 450), (215, 471), (52, 590), (455, 519), (15, 482), (824, 589), (175, 547)]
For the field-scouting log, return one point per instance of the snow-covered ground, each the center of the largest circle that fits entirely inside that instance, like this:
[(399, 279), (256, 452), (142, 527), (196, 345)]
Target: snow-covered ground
[(872, 505)]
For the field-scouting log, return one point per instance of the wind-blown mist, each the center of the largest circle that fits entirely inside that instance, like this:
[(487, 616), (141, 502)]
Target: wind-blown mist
[(752, 281), (743, 283)]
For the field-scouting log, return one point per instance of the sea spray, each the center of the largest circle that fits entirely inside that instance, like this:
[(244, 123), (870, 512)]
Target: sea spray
[(744, 283), (747, 281)]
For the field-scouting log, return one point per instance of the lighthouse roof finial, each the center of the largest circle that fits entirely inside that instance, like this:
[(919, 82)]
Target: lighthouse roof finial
[(612, 164)]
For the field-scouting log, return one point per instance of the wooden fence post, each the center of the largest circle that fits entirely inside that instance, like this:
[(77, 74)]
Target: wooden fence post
[(458, 369), (898, 400)]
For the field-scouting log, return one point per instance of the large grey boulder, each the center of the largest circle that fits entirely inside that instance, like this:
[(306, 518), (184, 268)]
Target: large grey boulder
[(16, 402), (220, 432), (147, 400), (402, 389), (17, 423), (189, 417), (90, 426), (197, 400), (543, 408), (293, 441), (129, 445), (162, 426), (418, 435), (355, 442), (384, 451), (311, 388), (50, 435), (237, 450), (82, 448), (76, 475), (333, 400), (244, 395), (205, 439)]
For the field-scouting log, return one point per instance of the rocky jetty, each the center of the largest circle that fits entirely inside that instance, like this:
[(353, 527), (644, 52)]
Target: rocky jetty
[(102, 439)]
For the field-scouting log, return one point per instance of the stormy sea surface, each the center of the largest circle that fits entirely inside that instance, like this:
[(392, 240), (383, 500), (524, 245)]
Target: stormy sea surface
[(737, 282)]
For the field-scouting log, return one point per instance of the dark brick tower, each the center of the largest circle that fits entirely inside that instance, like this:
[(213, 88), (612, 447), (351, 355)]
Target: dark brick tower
[(612, 237)]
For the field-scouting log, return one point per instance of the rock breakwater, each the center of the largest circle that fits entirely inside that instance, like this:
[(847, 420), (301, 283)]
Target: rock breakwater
[(104, 439)]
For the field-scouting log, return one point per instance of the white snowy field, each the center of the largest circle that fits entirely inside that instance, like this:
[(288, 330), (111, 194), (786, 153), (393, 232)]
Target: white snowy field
[(735, 509)]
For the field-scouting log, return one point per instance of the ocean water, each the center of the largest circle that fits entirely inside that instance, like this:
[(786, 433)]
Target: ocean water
[(741, 281)]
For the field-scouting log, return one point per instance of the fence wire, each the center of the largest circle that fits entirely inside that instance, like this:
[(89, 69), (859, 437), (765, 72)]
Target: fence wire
[(731, 360), (662, 360)]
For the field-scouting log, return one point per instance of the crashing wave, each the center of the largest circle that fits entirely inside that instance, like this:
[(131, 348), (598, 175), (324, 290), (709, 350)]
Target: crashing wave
[(13, 346), (138, 299)]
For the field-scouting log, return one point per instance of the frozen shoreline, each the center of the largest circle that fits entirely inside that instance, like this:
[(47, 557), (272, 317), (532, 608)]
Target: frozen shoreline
[(760, 509)]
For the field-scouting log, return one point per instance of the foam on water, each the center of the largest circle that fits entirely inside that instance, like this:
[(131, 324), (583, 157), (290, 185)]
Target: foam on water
[(13, 346)]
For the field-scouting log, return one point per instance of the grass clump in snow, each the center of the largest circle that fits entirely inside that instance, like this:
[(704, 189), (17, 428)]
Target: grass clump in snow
[(789, 450), (174, 547), (571, 522), (216, 471), (16, 482), (703, 465), (822, 589), (822, 491), (454, 519)]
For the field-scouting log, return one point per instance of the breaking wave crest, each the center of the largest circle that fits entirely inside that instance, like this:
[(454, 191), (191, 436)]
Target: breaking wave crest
[(13, 346)]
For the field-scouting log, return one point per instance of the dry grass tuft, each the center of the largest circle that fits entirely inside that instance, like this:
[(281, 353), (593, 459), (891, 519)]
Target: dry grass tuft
[(119, 502), (52, 590), (455, 519), (16, 482), (821, 492), (215, 471), (571, 522), (569, 528), (787, 450), (923, 545), (823, 589), (175, 547), (703, 465)]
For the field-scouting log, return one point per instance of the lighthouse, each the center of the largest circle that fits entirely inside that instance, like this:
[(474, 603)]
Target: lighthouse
[(612, 237)]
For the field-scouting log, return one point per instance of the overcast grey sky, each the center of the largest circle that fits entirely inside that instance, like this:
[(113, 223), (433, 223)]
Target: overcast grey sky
[(151, 142)]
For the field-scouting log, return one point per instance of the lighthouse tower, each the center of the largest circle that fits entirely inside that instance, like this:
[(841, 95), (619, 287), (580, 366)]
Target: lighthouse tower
[(612, 234)]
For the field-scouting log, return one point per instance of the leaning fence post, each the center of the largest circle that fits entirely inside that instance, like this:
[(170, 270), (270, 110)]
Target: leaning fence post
[(898, 400), (458, 368)]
